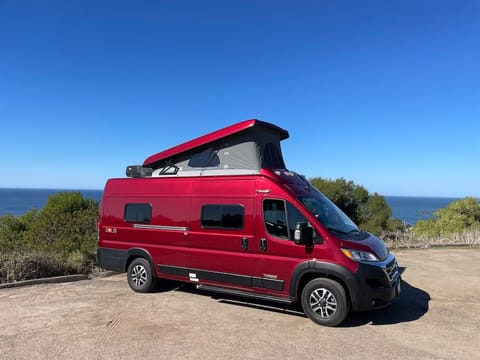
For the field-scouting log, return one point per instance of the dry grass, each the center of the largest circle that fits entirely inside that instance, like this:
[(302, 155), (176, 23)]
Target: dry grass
[(408, 240), (18, 266)]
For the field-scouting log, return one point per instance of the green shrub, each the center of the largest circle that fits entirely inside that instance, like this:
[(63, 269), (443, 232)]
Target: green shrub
[(66, 224), (13, 230), (457, 217), (59, 239)]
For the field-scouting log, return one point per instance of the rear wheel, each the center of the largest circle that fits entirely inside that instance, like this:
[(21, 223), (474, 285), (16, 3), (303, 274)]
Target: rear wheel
[(324, 301), (140, 275)]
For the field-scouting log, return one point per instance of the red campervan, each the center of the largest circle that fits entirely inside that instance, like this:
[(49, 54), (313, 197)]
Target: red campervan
[(222, 211)]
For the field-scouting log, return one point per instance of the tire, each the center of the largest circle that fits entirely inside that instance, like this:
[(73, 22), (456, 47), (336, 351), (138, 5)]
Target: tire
[(140, 276), (325, 302)]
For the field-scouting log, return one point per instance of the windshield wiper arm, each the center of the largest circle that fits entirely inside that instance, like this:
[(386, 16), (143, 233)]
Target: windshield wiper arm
[(355, 231), (337, 230), (345, 232)]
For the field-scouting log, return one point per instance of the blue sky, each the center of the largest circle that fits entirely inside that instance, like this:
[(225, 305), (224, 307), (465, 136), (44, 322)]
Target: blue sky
[(383, 93)]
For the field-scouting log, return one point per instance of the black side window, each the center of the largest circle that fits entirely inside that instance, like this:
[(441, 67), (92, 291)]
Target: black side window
[(281, 218), (275, 218), (223, 216), (138, 213)]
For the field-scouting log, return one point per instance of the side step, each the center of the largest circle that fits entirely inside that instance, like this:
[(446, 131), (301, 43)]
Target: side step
[(245, 294)]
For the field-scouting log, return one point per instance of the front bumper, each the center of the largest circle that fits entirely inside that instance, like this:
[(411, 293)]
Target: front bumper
[(378, 284)]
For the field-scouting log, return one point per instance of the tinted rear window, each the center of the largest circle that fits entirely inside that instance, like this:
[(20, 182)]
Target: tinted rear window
[(222, 216), (138, 213)]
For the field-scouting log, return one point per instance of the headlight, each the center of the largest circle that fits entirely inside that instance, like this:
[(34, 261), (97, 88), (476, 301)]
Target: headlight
[(358, 255)]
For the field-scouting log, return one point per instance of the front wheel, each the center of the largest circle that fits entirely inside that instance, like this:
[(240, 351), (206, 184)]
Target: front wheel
[(324, 301), (140, 275)]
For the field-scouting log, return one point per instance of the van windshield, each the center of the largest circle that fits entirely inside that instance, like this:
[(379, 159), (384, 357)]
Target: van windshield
[(330, 215)]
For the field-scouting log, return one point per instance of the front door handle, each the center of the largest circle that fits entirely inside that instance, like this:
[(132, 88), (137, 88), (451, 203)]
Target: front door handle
[(263, 244), (245, 243)]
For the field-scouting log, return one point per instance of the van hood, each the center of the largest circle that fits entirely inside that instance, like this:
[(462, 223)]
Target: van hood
[(370, 243)]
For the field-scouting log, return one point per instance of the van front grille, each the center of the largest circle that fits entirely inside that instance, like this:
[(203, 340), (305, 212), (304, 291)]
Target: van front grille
[(391, 270)]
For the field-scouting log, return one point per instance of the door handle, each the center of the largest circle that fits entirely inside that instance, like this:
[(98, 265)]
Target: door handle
[(263, 244), (245, 243)]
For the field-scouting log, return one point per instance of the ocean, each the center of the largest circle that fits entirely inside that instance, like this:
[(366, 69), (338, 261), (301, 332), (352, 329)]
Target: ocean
[(410, 209), (406, 208), (19, 201)]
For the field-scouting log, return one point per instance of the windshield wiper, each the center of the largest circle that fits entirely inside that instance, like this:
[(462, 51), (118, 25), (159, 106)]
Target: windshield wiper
[(345, 232), (355, 231), (337, 230)]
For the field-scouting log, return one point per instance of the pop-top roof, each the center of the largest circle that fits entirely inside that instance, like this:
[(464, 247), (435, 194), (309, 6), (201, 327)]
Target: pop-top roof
[(212, 137)]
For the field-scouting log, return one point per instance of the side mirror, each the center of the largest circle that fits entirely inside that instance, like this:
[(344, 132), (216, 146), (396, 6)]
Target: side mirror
[(303, 234)]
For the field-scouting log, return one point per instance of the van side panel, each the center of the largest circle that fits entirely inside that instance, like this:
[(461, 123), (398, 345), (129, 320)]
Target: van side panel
[(164, 236), (217, 251)]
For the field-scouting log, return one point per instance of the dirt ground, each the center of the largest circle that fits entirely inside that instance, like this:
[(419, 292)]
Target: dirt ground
[(437, 316)]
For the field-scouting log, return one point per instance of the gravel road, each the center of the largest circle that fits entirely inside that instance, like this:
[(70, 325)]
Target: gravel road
[(437, 316)]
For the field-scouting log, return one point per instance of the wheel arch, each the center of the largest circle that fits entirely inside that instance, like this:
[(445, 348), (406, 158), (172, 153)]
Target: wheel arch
[(309, 270), (134, 253)]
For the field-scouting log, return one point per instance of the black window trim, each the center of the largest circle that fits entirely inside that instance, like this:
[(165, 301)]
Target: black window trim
[(222, 227), (286, 202), (137, 221), (286, 219)]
